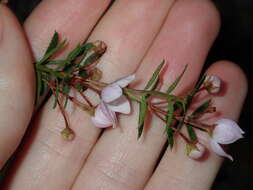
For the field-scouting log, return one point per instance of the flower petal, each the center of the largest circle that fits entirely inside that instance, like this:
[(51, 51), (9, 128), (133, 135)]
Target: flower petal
[(109, 114), (218, 150), (123, 82), (101, 119), (227, 131), (121, 105), (111, 93), (100, 123)]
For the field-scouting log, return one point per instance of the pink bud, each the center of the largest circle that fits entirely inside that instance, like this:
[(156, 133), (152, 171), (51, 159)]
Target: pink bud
[(212, 84)]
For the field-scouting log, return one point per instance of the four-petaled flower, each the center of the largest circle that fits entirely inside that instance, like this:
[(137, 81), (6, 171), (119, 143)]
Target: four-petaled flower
[(112, 101), (226, 131)]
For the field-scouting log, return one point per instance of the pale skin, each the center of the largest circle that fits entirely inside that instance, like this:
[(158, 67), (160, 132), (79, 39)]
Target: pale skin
[(139, 34)]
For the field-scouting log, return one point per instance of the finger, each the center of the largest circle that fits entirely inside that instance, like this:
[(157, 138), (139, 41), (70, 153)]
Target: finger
[(119, 161), (16, 84), (176, 170), (60, 156), (72, 19), (129, 28)]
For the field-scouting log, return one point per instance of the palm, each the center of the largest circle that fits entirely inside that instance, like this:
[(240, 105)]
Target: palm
[(139, 34)]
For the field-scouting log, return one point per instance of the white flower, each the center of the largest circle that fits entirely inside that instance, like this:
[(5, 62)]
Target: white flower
[(112, 100), (226, 131), (212, 84), (197, 152)]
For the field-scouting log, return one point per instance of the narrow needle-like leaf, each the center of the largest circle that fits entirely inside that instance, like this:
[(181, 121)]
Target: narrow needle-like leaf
[(155, 77), (201, 109), (56, 93), (53, 43), (191, 133), (175, 83), (194, 90), (151, 85), (142, 116), (51, 52), (169, 121)]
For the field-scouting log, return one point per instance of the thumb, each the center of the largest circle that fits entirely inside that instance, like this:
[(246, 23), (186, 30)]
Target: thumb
[(16, 84)]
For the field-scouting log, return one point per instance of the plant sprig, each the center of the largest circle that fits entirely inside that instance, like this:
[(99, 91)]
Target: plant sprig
[(78, 72)]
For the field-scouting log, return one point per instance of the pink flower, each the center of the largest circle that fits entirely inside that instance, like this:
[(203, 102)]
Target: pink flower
[(112, 101), (212, 84), (225, 132), (197, 152)]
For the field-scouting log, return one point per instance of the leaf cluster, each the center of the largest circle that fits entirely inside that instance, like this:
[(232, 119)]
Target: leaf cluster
[(175, 115), (62, 75)]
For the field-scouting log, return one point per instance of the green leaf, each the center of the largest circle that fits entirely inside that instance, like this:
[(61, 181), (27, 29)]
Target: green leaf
[(44, 85), (200, 82), (65, 88), (169, 121), (51, 52), (53, 43), (143, 107), (194, 91), (92, 58), (69, 68), (74, 53), (56, 62), (85, 48), (155, 78), (170, 134), (80, 87), (175, 83), (191, 132), (83, 74), (143, 104), (48, 70), (202, 108), (56, 93)]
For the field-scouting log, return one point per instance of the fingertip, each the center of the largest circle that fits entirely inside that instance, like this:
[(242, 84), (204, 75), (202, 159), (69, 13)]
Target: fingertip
[(232, 75)]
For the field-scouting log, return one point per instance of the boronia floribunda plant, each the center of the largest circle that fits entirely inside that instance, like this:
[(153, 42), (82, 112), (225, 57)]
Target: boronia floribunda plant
[(78, 72)]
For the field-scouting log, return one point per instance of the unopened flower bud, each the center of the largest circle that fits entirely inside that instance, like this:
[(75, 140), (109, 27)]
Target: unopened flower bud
[(99, 47), (212, 84), (68, 134), (96, 74), (195, 151)]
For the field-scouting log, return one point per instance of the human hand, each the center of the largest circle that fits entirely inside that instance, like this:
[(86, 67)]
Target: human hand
[(139, 35)]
